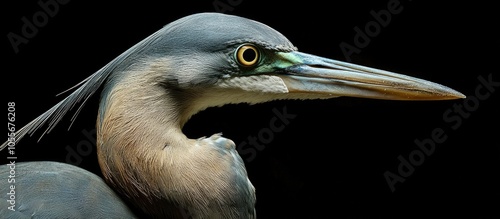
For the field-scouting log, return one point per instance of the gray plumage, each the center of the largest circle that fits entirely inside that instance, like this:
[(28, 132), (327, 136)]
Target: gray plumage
[(55, 190)]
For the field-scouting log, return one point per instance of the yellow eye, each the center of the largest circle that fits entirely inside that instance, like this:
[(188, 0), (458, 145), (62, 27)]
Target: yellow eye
[(247, 55)]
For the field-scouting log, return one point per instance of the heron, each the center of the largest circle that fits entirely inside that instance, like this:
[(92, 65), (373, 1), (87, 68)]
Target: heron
[(152, 89)]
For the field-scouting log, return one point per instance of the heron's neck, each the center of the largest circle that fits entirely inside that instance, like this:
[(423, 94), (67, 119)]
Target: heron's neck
[(145, 156), (139, 121)]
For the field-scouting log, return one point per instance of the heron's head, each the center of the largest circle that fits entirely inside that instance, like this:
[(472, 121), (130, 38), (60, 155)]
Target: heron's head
[(219, 59), (238, 56)]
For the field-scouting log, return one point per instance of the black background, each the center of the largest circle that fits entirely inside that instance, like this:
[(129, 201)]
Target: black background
[(330, 160)]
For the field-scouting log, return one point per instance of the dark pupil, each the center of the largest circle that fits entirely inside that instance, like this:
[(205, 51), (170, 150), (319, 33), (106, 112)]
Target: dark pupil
[(249, 55)]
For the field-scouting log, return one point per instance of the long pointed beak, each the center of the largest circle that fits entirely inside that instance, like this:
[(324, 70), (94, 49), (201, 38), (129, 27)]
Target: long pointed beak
[(305, 73)]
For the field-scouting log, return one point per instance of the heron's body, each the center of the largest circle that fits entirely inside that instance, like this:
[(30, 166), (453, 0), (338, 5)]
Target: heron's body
[(200, 61), (56, 190)]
